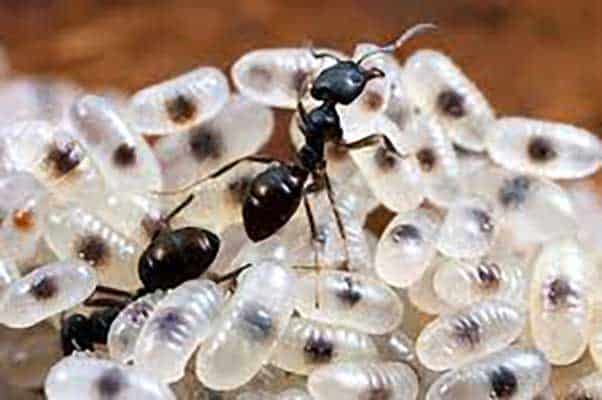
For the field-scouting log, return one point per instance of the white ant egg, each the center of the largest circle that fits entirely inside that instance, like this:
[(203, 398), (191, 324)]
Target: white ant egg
[(307, 345), (349, 299), (275, 77), (407, 247), (179, 103), (514, 374), (364, 380), (550, 149), (469, 228), (499, 275), (180, 322), (77, 233), (541, 208), (22, 215), (125, 328), (564, 275), (246, 331), (241, 128), (422, 293), (9, 272), (469, 334), (440, 88), (123, 157), (46, 291), (82, 377)]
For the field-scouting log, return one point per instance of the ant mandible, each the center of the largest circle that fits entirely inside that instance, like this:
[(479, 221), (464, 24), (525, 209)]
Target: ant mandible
[(275, 194)]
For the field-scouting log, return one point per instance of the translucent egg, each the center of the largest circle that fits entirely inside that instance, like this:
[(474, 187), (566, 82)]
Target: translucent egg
[(588, 387), (422, 292), (54, 157), (395, 179), (349, 299), (125, 329), (247, 330), (180, 322), (440, 88), (541, 208), (81, 377), (549, 149), (500, 275), (241, 128), (124, 158), (74, 232), (23, 211), (307, 345), (179, 103), (365, 380), (470, 334), (407, 247), (27, 98), (469, 228), (45, 292), (510, 374), (563, 276), (9, 272), (275, 77)]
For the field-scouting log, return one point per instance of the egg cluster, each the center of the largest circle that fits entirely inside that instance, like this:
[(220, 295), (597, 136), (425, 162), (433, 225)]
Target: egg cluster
[(485, 279)]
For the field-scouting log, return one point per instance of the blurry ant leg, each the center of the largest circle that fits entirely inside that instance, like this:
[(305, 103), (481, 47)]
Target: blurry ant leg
[(104, 302), (337, 216), (218, 173), (319, 55), (230, 275), (312, 227), (112, 291), (164, 222)]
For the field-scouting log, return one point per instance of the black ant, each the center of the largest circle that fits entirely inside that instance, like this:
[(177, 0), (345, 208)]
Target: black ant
[(275, 194), (172, 258)]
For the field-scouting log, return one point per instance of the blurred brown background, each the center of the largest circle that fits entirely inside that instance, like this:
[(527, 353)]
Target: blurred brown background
[(533, 57)]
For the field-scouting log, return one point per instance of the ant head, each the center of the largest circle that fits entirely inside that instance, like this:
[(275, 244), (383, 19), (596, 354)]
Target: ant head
[(343, 82)]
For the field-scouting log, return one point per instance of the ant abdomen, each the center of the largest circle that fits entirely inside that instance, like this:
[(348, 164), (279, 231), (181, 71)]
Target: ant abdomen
[(353, 300), (179, 323), (307, 345), (245, 333), (456, 339), (363, 380)]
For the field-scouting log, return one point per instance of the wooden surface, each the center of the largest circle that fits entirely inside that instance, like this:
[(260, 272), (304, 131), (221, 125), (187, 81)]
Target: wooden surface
[(533, 57)]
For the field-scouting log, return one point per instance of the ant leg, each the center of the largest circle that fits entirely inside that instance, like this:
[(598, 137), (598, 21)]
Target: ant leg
[(316, 54), (164, 221), (370, 140), (314, 239), (230, 275), (337, 216), (220, 171), (112, 291), (104, 303)]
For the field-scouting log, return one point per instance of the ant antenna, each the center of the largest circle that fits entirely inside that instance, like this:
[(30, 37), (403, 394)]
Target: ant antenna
[(316, 54), (179, 208), (407, 35)]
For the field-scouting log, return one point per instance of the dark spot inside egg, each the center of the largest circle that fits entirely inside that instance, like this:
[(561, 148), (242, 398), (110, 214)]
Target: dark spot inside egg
[(349, 292), (385, 159), (372, 100), (541, 149), (180, 109), (110, 384), (318, 349), (427, 159), (24, 219), (405, 233), (260, 78), (467, 331), (205, 143), (44, 288), (124, 155), (257, 321), (489, 275), (504, 383), (451, 103), (62, 159), (514, 191), (93, 250)]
